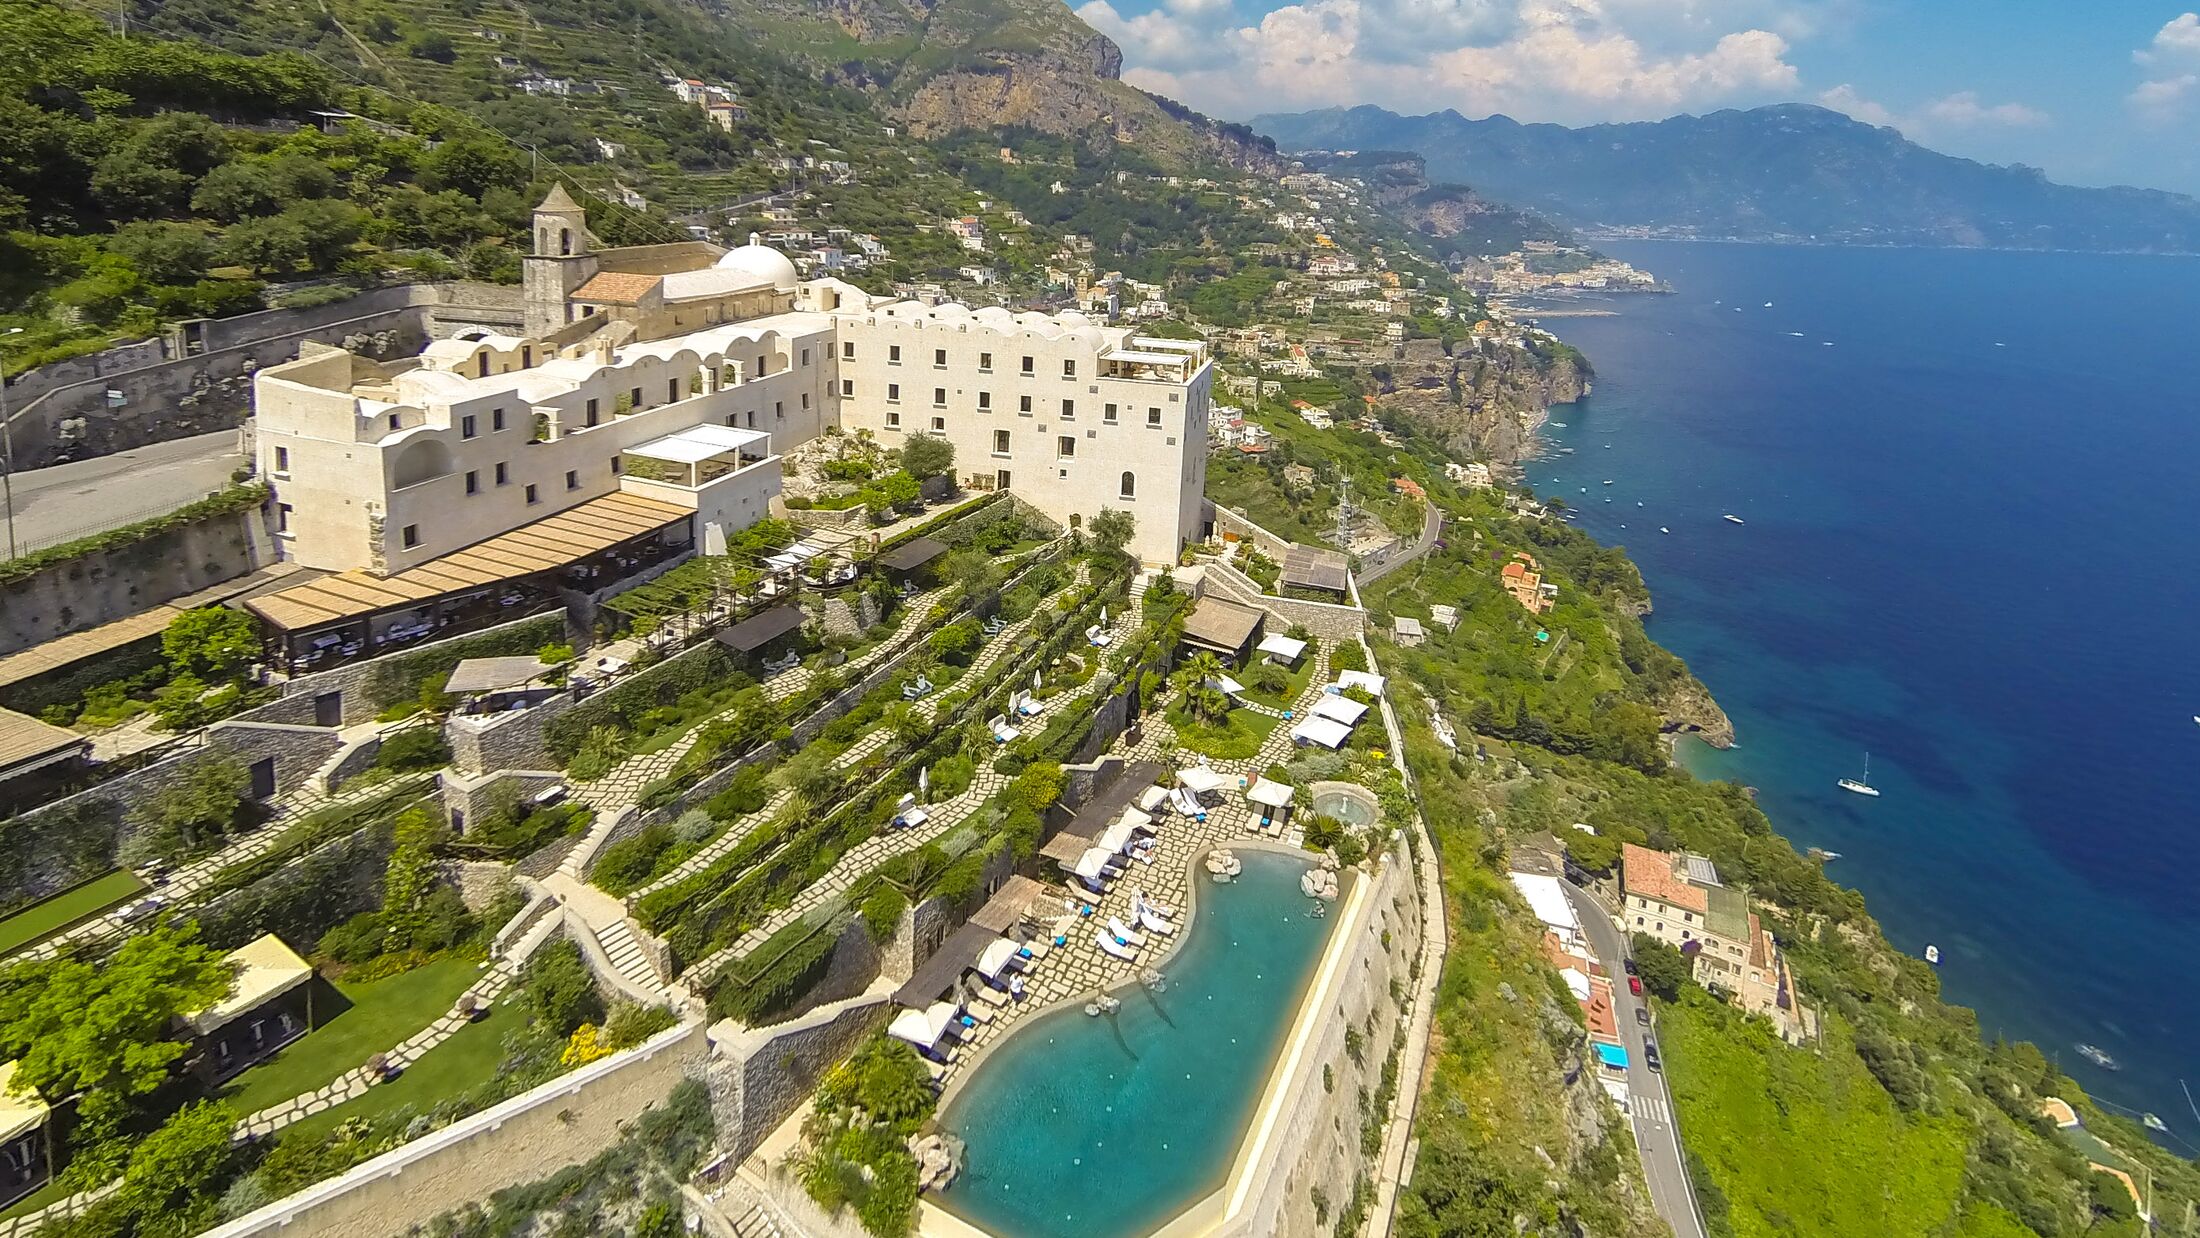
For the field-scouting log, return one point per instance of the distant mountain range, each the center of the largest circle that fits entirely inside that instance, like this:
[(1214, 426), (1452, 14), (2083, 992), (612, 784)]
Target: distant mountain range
[(1787, 172)]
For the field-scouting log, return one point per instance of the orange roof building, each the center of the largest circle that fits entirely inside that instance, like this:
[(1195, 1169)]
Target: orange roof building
[(1523, 579)]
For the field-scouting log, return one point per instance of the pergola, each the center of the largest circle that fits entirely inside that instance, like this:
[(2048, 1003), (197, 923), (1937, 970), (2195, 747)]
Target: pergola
[(698, 455)]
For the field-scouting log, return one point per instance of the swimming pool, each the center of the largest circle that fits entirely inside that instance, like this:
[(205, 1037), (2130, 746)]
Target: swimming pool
[(1082, 1126), (1350, 803)]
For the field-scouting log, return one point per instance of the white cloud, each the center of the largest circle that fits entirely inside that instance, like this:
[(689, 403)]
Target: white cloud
[(1575, 60), (1949, 113), (2172, 64)]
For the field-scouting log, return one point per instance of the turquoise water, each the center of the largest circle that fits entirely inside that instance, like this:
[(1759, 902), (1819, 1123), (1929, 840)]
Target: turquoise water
[(1089, 1127), (1350, 809), (1972, 524)]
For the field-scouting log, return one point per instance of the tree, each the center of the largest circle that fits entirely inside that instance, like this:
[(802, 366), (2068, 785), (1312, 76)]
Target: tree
[(1111, 533), (107, 1026), (1202, 700), (237, 191), (410, 878), (174, 1182), (327, 227), (433, 45), (195, 809), (1594, 852), (212, 642), (560, 989), (164, 253), (273, 246), (1664, 970), (473, 165), (927, 455)]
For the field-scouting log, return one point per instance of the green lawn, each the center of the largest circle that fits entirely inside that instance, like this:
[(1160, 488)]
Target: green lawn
[(42, 920), (1236, 737), (51, 1193), (1286, 699), (382, 1013), (457, 1065)]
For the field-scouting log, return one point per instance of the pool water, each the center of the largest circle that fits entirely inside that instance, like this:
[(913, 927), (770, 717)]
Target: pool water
[(1097, 1127), (1350, 809)]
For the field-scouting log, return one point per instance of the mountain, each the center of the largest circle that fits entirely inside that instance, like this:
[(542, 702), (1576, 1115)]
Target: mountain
[(1787, 172), (1454, 219)]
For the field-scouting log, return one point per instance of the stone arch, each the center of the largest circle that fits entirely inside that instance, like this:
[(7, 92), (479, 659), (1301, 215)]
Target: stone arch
[(423, 460)]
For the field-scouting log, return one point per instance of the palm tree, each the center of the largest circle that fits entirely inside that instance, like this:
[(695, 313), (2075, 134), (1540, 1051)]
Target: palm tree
[(1202, 700)]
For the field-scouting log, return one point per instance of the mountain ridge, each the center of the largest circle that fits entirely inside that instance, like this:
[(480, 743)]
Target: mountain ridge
[(1787, 172)]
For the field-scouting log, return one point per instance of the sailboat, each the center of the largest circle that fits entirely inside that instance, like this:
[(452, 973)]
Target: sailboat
[(1932, 955), (1863, 785)]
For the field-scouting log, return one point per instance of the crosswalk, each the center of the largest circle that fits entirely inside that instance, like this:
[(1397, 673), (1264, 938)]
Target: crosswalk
[(1649, 1107)]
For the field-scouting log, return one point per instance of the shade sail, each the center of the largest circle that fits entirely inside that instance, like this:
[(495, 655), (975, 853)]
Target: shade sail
[(912, 554), (266, 969), (1271, 794), (1342, 708), (1328, 732), (922, 1028), (494, 674), (1282, 647), (1226, 685), (1117, 837)]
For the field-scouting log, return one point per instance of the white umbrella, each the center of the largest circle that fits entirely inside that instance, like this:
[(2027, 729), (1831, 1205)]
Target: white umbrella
[(996, 956), (942, 1015), (1271, 794), (924, 781), (1091, 864), (1103, 616), (1202, 778), (1116, 837), (917, 1027), (1034, 681)]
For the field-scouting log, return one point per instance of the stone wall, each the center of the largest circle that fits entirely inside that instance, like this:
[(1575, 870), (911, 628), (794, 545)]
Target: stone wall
[(358, 760), (922, 929), (758, 1077), (566, 1121), (482, 744), (479, 882), (1324, 619), (466, 797), (362, 684), (106, 585), (305, 897)]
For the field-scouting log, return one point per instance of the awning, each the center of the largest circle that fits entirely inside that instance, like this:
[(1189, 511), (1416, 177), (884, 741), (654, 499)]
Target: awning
[(1315, 568), (923, 1028), (939, 971), (804, 550), (1282, 647), (1222, 627), (995, 956), (1226, 685), (1202, 778), (1117, 837), (494, 674), (267, 970), (1343, 708), (759, 630), (911, 555), (1271, 794), (1019, 899), (19, 1114), (1328, 732), (1065, 848), (1360, 679), (698, 443), (546, 545)]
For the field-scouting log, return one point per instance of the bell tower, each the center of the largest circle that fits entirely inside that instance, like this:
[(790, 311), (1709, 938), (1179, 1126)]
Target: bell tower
[(560, 263)]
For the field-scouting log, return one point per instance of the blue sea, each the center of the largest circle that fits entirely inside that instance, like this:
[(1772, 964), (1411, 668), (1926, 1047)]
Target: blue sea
[(1971, 483)]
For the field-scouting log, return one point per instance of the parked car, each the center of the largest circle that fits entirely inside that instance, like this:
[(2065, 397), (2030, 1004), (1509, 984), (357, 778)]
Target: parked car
[(1642, 1015), (1629, 964), (1650, 1054), (1634, 985)]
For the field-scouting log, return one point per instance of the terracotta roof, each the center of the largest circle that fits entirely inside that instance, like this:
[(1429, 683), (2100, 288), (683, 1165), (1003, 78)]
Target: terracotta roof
[(1651, 874), (1513, 571), (617, 287), (1760, 943)]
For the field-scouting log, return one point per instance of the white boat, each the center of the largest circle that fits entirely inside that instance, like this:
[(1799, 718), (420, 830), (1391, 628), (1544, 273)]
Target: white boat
[(1768, 305), (1731, 518), (2098, 1056), (1607, 481), (1863, 785), (1663, 529), (1932, 955)]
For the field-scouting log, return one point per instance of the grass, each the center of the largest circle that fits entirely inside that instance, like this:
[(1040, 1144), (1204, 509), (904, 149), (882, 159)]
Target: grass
[(1237, 736), (1803, 1142), (44, 919), (1300, 677), (51, 1193), (380, 1014), (458, 1065)]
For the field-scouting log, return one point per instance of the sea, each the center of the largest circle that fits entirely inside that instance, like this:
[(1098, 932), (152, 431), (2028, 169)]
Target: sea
[(1970, 487)]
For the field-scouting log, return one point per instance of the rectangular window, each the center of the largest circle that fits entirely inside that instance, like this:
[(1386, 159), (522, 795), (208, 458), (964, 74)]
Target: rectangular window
[(672, 391), (847, 387), (805, 400), (634, 398), (1069, 369), (496, 419), (1069, 410), (805, 358), (893, 393), (1000, 442), (473, 481), (893, 419), (503, 476), (1023, 404), (614, 466), (1065, 447), (1000, 479), (532, 499), (939, 425), (939, 358), (779, 410), (412, 535), (396, 422), (282, 459), (593, 415), (1107, 414), (893, 354), (1028, 371), (282, 517), (466, 426), (985, 363), (939, 397), (985, 401), (572, 479), (1153, 417), (847, 350)]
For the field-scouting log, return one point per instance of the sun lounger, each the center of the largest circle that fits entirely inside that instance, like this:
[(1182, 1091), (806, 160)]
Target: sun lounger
[(1110, 946), (938, 1070), (1097, 635), (1125, 932), (1152, 922), (983, 1014)]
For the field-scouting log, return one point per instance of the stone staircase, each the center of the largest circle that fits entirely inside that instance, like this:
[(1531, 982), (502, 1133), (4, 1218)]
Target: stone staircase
[(756, 1223), (627, 956)]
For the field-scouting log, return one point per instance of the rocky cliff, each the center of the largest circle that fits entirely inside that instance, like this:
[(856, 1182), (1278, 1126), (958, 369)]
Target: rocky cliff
[(1485, 402), (1689, 710), (1398, 183)]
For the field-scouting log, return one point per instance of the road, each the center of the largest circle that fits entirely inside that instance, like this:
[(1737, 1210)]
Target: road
[(1655, 1131), (1432, 523), (67, 501)]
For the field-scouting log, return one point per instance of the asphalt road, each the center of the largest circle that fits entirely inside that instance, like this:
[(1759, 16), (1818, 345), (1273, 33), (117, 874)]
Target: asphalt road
[(1432, 522), (66, 501), (1655, 1132)]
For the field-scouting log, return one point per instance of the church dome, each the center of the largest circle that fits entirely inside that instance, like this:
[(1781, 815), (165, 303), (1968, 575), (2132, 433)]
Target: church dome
[(762, 263)]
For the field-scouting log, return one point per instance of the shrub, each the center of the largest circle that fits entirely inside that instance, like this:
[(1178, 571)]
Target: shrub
[(416, 749), (882, 910), (558, 988), (355, 940), (631, 1023), (1347, 656), (631, 862)]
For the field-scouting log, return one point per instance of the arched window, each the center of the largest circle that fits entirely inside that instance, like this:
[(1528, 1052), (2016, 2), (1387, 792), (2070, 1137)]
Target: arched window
[(1130, 485), (565, 242)]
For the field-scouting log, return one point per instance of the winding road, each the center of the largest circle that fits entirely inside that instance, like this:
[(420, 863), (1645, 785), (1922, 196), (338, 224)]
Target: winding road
[(1432, 523), (1657, 1134)]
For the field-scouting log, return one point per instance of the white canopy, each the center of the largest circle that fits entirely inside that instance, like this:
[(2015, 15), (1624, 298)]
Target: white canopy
[(1270, 794), (923, 1028), (1282, 646), (698, 443), (1343, 708), (1140, 821), (1226, 685), (1091, 864), (1548, 901), (1202, 778), (1328, 732), (1577, 983), (1117, 837), (1152, 798), (1360, 679), (796, 555), (995, 956)]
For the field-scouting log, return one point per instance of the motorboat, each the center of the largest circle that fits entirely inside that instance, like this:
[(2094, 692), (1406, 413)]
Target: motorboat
[(1663, 529), (2098, 1056), (1731, 518)]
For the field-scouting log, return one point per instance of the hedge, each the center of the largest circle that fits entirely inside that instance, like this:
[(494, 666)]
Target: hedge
[(237, 498), (798, 956), (400, 677), (703, 667)]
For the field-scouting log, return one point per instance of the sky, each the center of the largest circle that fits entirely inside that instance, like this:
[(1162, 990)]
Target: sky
[(2094, 92)]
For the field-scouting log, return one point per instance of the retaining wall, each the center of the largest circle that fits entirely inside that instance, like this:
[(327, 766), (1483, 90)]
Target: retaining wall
[(758, 1077), (107, 585)]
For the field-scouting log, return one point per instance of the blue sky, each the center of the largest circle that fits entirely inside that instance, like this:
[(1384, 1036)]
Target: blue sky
[(2094, 91)]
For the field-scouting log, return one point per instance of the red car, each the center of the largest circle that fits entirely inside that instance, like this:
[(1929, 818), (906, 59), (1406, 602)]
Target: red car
[(1634, 985)]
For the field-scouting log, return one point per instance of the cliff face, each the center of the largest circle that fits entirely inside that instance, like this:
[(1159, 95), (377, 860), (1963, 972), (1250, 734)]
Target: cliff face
[(1485, 404), (1689, 710)]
